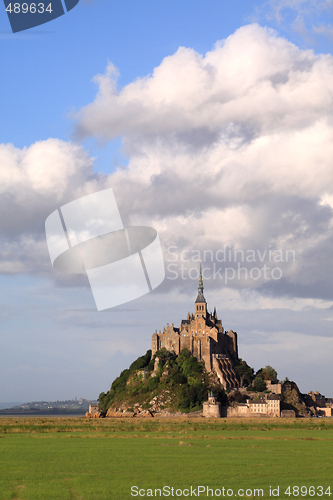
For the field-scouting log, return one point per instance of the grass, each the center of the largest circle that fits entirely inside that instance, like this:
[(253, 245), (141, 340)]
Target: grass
[(92, 459)]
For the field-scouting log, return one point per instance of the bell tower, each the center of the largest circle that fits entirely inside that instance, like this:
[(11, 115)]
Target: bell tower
[(200, 303)]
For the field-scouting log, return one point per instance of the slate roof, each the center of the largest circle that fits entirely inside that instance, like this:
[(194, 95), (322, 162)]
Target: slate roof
[(273, 397)]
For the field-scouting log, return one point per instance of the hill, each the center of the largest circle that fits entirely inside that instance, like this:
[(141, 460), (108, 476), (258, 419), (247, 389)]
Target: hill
[(164, 383), (167, 384)]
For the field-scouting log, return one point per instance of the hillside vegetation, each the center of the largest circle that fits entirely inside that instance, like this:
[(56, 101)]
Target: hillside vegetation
[(163, 382), (170, 384)]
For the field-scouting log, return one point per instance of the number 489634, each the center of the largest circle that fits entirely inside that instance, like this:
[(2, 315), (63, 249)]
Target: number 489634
[(303, 491), (33, 8)]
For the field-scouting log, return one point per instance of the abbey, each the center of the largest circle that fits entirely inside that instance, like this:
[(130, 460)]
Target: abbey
[(203, 335)]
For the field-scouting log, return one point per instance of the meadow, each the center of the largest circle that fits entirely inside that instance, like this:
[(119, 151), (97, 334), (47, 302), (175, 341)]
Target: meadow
[(97, 459)]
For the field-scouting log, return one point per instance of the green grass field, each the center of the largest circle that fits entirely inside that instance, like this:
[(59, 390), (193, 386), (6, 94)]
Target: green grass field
[(92, 459)]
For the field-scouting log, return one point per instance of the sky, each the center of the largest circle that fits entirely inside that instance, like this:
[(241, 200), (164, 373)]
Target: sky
[(212, 122)]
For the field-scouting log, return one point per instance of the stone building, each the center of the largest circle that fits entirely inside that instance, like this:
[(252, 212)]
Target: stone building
[(93, 408), (268, 407), (258, 406), (273, 405), (276, 388), (93, 411), (203, 335), (211, 408)]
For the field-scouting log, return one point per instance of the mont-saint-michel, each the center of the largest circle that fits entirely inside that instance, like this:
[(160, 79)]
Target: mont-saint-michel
[(194, 368)]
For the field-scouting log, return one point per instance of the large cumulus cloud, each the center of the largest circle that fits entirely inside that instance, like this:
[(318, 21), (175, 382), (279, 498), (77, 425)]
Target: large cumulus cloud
[(233, 148), (251, 84)]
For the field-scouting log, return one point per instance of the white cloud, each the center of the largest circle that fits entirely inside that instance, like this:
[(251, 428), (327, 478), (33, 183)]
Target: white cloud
[(301, 6), (254, 82), (34, 182), (232, 147), (307, 18)]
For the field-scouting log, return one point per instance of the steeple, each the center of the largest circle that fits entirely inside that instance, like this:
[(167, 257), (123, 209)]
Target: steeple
[(200, 297), (200, 303)]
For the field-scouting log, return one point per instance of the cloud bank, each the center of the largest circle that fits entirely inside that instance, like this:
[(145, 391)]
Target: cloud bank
[(34, 182), (228, 149), (233, 148)]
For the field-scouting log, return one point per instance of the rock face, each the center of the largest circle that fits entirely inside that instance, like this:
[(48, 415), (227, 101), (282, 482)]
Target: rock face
[(155, 367), (156, 406), (123, 411), (160, 401), (292, 400)]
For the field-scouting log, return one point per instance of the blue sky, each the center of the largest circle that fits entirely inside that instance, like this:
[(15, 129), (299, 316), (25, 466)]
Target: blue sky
[(48, 71), (54, 343)]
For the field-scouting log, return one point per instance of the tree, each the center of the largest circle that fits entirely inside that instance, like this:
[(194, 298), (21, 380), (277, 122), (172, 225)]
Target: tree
[(259, 384), (245, 373), (267, 373), (141, 362), (236, 397)]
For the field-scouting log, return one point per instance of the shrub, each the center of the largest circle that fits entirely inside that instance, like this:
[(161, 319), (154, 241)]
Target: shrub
[(141, 362), (259, 384)]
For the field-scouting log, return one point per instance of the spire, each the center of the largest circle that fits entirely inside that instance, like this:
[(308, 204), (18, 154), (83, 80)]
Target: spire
[(200, 287), (200, 297)]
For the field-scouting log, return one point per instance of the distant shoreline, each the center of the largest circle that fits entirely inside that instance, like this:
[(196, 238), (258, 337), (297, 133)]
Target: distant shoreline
[(42, 413), (41, 416)]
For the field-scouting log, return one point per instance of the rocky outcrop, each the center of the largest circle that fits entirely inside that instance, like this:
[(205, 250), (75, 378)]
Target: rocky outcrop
[(291, 399), (98, 414)]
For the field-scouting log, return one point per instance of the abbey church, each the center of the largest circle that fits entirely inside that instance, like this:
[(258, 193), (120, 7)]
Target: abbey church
[(203, 335)]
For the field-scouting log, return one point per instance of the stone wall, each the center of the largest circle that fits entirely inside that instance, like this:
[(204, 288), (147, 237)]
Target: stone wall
[(288, 414), (276, 388), (212, 410)]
